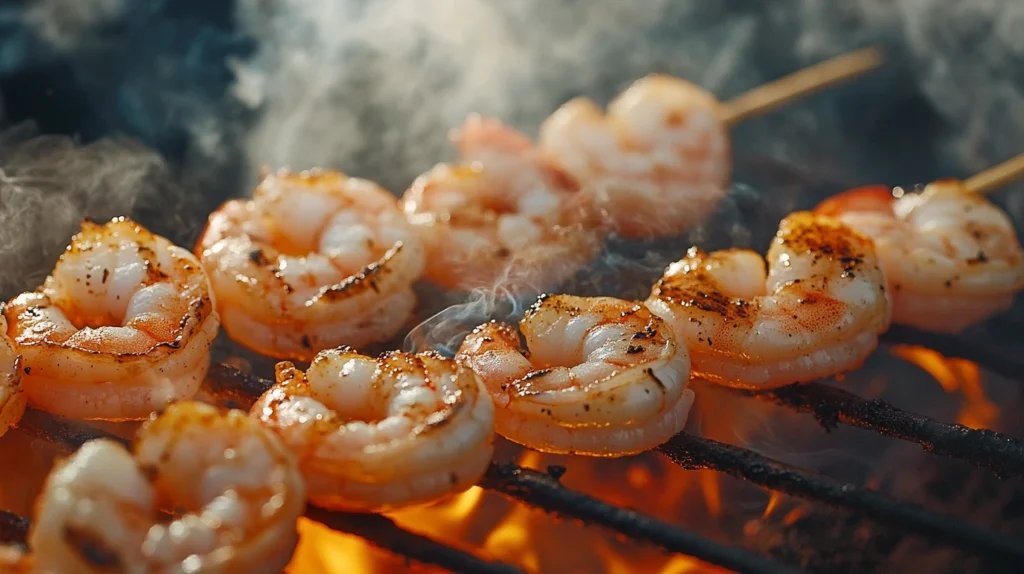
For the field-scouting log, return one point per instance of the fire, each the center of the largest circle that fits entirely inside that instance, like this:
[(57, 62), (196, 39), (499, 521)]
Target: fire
[(499, 529), (956, 376)]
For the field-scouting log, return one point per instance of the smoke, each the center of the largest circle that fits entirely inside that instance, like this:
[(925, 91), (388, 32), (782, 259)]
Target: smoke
[(48, 184)]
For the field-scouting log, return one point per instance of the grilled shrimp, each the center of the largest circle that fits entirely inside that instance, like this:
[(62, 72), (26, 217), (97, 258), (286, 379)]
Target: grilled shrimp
[(312, 261), (12, 399), (817, 312), (658, 163), (951, 257), (508, 215), (237, 492), (121, 327), (601, 376), (378, 434)]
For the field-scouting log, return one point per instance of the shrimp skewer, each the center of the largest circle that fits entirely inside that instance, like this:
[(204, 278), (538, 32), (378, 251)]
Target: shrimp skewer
[(950, 256), (506, 216), (379, 434), (601, 377), (121, 327), (658, 162), (817, 311), (237, 490), (312, 261), (12, 398)]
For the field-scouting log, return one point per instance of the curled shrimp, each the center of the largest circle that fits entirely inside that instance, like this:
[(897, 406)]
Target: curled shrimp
[(378, 434), (237, 492), (601, 376), (816, 312), (951, 257), (507, 215), (12, 398), (121, 327), (658, 163), (312, 261)]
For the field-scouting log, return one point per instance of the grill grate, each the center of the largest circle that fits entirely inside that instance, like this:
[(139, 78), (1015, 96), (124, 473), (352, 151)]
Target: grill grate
[(829, 405)]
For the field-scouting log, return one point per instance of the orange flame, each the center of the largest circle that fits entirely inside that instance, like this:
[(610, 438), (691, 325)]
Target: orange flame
[(956, 376)]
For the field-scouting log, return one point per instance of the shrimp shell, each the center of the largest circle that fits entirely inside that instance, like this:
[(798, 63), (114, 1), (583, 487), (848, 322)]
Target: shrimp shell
[(12, 398), (378, 434), (600, 376), (508, 216), (657, 164), (314, 260), (816, 312), (237, 492), (121, 327), (951, 257)]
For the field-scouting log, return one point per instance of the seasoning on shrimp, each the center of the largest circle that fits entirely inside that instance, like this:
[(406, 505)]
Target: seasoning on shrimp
[(121, 327), (312, 261), (237, 491), (378, 434), (507, 215), (816, 312), (951, 257), (657, 164), (600, 376), (12, 397)]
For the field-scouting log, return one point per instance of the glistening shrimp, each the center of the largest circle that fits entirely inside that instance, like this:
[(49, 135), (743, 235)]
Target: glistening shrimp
[(951, 257), (657, 164), (121, 327), (816, 312), (12, 398), (312, 261), (237, 493), (378, 434), (507, 215), (600, 376)]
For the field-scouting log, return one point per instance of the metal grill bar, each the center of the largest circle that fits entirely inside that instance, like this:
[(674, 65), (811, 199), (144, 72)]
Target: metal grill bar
[(831, 406), (693, 453), (545, 492), (375, 529)]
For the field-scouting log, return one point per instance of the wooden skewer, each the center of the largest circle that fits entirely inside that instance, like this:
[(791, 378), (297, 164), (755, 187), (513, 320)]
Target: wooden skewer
[(775, 94), (996, 176)]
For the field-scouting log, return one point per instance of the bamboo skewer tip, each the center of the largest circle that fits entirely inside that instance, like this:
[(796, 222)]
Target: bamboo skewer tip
[(778, 93), (997, 176)]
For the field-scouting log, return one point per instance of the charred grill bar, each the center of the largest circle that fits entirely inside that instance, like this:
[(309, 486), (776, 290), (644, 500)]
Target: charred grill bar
[(831, 406), (694, 453), (545, 492)]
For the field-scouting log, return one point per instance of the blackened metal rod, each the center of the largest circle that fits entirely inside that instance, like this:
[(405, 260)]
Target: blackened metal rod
[(830, 406), (375, 529), (693, 453), (546, 493)]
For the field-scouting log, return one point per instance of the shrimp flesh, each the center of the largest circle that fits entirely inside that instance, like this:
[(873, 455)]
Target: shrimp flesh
[(951, 257), (379, 434), (658, 163), (601, 376), (817, 312), (12, 399), (14, 560), (312, 261), (236, 492), (121, 327), (508, 215)]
